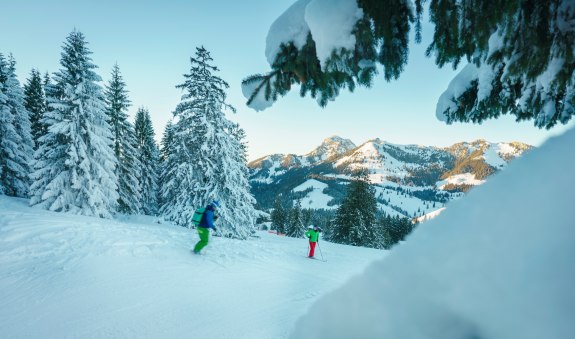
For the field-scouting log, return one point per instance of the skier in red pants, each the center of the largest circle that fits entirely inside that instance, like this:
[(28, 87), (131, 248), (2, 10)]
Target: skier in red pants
[(313, 235)]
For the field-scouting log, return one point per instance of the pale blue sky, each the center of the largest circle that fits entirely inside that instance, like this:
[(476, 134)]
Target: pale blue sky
[(152, 41)]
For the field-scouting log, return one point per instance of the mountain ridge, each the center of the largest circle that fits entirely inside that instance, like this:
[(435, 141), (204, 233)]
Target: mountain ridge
[(410, 180)]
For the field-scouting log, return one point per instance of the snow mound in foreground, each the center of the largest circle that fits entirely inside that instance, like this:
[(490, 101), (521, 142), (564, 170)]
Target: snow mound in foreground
[(498, 264)]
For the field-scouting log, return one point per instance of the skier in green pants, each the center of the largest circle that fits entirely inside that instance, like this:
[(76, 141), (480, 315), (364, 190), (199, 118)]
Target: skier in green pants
[(206, 223)]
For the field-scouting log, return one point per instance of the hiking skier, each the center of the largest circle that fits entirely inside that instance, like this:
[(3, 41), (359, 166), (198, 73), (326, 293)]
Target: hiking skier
[(206, 222), (312, 234)]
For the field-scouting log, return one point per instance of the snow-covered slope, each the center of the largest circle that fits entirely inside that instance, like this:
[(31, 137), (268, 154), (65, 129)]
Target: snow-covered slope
[(65, 276), (315, 199), (499, 263)]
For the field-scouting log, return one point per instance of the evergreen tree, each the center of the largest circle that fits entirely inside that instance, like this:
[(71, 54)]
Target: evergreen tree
[(167, 141), (295, 227), (240, 135), (35, 103), (46, 81), (16, 145), (355, 221), (393, 230), (307, 217), (128, 162), (166, 144), (493, 35), (279, 217), (205, 159), (75, 162), (150, 161), (385, 237)]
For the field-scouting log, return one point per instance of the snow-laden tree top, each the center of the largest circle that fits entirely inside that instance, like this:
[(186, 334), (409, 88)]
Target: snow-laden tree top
[(520, 53)]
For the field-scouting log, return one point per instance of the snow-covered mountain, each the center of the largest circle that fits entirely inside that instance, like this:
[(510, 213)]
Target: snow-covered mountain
[(410, 180), (330, 147)]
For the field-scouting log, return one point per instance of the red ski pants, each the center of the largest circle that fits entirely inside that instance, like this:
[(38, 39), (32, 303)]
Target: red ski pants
[(311, 248)]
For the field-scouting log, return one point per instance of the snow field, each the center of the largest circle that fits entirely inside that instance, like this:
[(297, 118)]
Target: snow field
[(66, 276)]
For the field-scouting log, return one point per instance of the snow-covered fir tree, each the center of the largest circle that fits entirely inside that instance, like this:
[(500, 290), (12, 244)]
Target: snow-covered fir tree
[(125, 144), (493, 35), (35, 103), (234, 182), (75, 162), (355, 222), (16, 145), (392, 230), (149, 155), (166, 146), (294, 224), (167, 140), (240, 135), (279, 216), (205, 160), (46, 82)]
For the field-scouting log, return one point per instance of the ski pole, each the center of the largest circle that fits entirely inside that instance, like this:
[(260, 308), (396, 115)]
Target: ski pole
[(320, 251)]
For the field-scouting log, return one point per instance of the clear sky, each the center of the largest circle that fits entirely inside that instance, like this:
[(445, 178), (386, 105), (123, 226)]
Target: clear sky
[(152, 40)]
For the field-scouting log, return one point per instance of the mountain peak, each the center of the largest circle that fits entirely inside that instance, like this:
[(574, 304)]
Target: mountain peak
[(331, 146), (334, 139)]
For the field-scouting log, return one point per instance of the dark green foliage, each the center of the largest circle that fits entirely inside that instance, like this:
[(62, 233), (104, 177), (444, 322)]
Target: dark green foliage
[(35, 103), (355, 221), (294, 224), (431, 195), (532, 66), (283, 214), (167, 141), (322, 218), (523, 25), (336, 190), (307, 216), (279, 217), (117, 105), (393, 230), (390, 23), (125, 144), (149, 156), (382, 35), (425, 176)]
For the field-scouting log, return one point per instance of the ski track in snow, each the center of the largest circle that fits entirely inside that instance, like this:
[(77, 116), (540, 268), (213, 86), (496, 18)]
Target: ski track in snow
[(67, 276)]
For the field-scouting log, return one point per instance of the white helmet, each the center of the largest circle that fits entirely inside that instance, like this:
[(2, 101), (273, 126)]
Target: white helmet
[(310, 227)]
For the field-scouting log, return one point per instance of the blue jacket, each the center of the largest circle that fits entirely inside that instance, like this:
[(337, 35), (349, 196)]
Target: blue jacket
[(208, 218)]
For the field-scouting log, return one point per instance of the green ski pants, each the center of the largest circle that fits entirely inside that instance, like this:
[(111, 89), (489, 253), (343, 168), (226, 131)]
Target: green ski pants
[(204, 234)]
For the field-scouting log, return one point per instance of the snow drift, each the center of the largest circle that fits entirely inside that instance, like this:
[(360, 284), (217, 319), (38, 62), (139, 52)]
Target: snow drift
[(499, 263)]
